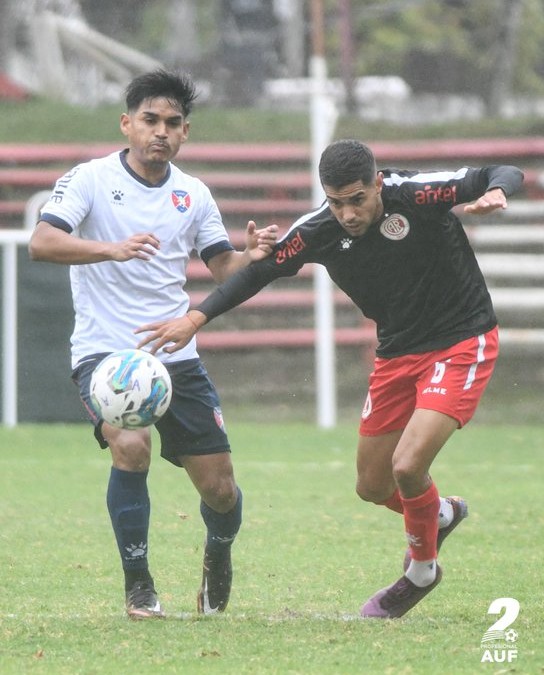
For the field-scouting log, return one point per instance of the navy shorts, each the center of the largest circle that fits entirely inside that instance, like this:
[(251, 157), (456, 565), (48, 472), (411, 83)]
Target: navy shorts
[(193, 423)]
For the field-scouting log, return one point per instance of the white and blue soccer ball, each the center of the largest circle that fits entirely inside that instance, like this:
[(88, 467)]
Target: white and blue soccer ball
[(130, 389)]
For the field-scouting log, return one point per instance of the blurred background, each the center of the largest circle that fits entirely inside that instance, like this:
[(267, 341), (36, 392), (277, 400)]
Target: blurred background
[(427, 83), (457, 58)]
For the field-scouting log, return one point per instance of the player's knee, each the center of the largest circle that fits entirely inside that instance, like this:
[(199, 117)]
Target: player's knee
[(406, 475), (370, 493), (219, 492), (131, 452)]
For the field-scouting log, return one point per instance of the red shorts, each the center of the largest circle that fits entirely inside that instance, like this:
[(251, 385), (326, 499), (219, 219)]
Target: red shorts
[(450, 381)]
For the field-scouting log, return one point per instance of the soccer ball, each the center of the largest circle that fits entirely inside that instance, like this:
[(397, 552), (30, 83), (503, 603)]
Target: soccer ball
[(130, 389), (511, 635)]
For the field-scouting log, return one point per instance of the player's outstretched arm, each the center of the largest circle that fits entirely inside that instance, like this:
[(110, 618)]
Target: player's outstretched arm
[(174, 334)]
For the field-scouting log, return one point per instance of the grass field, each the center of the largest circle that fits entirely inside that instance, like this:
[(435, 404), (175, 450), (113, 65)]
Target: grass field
[(309, 553)]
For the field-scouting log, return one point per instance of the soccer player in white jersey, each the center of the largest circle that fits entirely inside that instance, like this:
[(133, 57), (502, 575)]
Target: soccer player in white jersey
[(127, 224)]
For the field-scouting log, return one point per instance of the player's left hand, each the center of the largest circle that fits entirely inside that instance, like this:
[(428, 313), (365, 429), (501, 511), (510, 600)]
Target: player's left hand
[(488, 202), (176, 333), (259, 242)]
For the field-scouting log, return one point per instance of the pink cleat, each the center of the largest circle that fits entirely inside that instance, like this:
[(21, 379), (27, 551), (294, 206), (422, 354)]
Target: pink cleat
[(395, 600)]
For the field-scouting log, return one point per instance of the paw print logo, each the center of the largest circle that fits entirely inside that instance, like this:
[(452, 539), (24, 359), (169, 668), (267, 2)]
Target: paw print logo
[(511, 635), (136, 551), (117, 195), (345, 244)]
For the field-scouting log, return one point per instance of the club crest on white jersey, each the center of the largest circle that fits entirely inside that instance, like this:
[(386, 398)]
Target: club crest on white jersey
[(181, 200)]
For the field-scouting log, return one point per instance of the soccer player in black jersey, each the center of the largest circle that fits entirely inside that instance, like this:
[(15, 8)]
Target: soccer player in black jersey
[(390, 240)]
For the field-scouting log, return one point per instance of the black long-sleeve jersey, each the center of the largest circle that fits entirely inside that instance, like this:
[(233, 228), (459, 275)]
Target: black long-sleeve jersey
[(413, 272)]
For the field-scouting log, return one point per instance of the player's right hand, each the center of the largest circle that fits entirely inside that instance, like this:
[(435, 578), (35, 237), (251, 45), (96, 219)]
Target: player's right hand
[(140, 246)]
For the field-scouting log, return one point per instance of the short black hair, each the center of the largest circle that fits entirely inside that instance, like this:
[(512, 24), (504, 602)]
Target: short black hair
[(178, 88), (347, 161)]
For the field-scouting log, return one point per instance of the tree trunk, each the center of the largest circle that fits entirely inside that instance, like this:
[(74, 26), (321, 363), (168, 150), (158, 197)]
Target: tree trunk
[(507, 43), (7, 23)]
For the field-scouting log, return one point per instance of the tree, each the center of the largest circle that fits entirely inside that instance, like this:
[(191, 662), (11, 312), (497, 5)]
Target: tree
[(451, 45)]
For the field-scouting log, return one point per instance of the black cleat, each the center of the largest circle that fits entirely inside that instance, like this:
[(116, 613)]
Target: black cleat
[(213, 595), (142, 601)]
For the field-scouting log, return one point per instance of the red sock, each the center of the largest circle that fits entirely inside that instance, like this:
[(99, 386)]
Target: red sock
[(394, 502), (421, 523)]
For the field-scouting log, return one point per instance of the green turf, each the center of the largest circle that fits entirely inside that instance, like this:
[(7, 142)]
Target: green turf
[(45, 121), (309, 553)]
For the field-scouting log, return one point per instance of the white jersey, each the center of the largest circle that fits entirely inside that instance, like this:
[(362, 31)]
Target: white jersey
[(105, 200)]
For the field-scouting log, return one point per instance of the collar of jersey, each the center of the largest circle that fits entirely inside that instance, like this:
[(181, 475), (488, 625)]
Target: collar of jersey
[(123, 158)]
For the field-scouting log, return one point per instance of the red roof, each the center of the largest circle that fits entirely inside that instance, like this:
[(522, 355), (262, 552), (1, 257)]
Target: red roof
[(11, 91)]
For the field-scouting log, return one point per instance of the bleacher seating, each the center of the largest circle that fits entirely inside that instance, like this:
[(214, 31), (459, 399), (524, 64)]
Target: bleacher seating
[(261, 180), (272, 183)]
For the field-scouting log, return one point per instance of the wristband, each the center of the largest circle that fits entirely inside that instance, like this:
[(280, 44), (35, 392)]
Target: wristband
[(191, 321)]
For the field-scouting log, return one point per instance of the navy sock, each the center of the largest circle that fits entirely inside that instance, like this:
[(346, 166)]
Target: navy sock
[(129, 508), (222, 527)]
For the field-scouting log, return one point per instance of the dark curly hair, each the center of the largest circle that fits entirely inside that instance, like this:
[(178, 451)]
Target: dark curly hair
[(178, 88), (345, 162)]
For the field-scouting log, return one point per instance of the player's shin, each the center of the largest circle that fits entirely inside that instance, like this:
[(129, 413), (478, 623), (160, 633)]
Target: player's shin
[(421, 525)]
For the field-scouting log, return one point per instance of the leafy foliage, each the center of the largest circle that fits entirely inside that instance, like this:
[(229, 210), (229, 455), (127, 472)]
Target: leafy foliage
[(444, 45)]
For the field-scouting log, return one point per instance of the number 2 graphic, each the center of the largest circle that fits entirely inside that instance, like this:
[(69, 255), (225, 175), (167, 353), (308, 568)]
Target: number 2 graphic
[(511, 607)]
